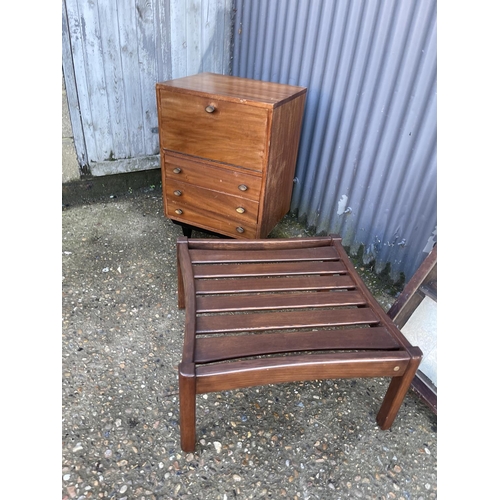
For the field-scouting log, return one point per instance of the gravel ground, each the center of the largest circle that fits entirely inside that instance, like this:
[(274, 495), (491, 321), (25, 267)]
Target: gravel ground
[(121, 343)]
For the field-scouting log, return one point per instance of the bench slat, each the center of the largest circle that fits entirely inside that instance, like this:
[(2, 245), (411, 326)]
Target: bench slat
[(269, 301), (273, 284), (302, 254), (284, 320), (230, 347), (268, 269)]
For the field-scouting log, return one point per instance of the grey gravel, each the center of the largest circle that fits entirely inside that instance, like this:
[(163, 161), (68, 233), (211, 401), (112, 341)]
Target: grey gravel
[(121, 343)]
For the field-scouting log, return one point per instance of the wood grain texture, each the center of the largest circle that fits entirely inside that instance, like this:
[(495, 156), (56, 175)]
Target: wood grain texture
[(273, 284), (212, 176), (248, 254), (409, 299), (285, 135), (200, 36), (273, 311), (236, 89), (397, 390), (372, 302), (422, 283), (250, 373), (285, 320), (183, 194), (232, 133), (210, 123), (267, 269), (113, 55), (216, 349), (266, 301), (275, 244), (210, 221), (185, 274)]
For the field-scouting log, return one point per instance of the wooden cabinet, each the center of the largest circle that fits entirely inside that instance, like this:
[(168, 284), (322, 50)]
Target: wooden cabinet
[(228, 151)]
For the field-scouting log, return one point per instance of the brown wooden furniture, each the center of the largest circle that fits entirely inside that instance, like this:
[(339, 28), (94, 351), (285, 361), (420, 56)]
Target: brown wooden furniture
[(422, 284), (257, 310), (228, 152)]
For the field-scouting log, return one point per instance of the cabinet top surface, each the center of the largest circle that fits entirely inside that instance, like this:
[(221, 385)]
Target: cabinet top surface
[(267, 94)]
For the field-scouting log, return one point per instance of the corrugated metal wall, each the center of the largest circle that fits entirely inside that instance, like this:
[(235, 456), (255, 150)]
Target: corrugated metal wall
[(367, 158), (114, 52)]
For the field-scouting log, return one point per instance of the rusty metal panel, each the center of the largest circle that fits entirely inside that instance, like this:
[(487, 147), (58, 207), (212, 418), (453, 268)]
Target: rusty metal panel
[(367, 159)]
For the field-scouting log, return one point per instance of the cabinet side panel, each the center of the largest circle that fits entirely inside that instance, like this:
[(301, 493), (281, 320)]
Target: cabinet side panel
[(285, 136), (162, 160)]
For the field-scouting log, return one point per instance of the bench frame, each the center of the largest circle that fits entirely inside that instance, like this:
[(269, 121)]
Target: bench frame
[(269, 311)]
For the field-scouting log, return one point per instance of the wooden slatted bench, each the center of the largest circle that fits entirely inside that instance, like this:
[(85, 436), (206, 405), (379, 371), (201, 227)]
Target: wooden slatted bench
[(281, 310)]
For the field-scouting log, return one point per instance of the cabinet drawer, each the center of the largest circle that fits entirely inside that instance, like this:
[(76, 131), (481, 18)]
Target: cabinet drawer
[(232, 133), (232, 207), (233, 182), (210, 221)]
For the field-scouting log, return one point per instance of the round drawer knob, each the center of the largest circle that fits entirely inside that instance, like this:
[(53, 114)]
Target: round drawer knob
[(177, 192), (240, 229), (210, 108), (242, 187), (179, 211), (177, 170), (240, 210)]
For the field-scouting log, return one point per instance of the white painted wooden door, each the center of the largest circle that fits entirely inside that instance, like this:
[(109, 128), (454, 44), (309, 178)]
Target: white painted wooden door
[(114, 52)]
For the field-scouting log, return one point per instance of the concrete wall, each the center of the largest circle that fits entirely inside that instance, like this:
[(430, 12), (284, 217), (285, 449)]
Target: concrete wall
[(70, 168)]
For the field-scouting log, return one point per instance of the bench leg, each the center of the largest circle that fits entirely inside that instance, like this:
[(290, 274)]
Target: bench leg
[(187, 407), (397, 390)]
